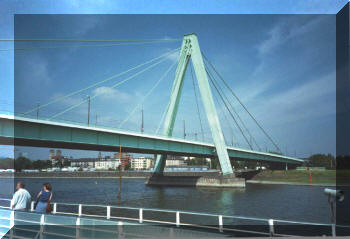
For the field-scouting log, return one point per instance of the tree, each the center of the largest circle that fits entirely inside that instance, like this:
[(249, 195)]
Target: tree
[(22, 163), (41, 164), (127, 166), (214, 163), (322, 160), (66, 163), (197, 161), (6, 163), (251, 164), (58, 164), (343, 162)]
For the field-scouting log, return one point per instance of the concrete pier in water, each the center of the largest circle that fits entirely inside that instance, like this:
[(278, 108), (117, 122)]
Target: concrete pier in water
[(196, 181)]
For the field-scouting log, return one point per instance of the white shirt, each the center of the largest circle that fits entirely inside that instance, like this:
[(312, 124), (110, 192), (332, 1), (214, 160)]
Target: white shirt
[(21, 199)]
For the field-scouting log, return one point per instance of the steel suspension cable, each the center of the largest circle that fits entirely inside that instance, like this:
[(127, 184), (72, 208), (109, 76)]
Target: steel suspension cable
[(257, 123), (224, 114), (197, 104), (100, 82), (148, 93), (77, 46), (233, 109), (234, 119), (113, 86)]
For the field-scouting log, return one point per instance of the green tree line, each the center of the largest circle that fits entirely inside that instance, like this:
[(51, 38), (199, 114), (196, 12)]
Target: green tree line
[(322, 160), (21, 163)]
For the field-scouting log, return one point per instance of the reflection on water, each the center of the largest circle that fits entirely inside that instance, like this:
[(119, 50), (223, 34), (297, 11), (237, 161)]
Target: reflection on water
[(303, 203)]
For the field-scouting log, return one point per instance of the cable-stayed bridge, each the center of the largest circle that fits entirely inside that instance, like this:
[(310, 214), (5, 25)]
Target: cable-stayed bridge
[(22, 129)]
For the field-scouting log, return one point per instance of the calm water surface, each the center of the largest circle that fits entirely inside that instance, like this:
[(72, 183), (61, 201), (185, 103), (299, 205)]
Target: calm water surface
[(301, 203)]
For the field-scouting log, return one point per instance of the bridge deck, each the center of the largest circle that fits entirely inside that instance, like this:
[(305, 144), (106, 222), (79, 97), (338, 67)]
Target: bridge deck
[(23, 131)]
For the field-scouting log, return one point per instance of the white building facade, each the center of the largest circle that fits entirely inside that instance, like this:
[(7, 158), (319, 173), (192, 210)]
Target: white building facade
[(107, 164), (175, 162), (141, 163), (83, 163)]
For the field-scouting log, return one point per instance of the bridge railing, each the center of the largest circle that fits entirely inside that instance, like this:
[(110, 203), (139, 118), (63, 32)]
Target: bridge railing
[(177, 218), (5, 203)]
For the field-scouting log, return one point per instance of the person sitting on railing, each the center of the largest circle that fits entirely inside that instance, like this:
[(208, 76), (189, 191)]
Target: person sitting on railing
[(44, 198), (21, 198)]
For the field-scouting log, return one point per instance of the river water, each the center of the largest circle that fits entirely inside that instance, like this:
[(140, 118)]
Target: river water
[(299, 203)]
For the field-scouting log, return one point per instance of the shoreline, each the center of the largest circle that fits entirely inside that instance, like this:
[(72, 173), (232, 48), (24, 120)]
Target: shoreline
[(72, 177), (292, 183), (268, 178), (99, 174)]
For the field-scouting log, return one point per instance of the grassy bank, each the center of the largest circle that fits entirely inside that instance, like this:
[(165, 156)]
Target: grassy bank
[(302, 176)]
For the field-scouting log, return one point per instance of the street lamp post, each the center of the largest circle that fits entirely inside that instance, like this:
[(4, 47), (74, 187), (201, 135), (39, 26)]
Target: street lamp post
[(37, 110), (88, 109)]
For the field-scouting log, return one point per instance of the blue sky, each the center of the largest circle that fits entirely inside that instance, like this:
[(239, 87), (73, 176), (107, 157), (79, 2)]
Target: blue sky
[(281, 66)]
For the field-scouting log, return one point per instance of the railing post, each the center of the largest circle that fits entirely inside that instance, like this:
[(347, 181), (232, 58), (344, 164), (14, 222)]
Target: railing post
[(54, 208), (42, 223), (42, 219), (108, 212), (12, 222), (333, 231), (140, 215), (177, 218), (77, 228), (12, 219), (220, 224), (80, 210), (272, 230), (120, 229), (11, 233), (32, 206), (171, 232)]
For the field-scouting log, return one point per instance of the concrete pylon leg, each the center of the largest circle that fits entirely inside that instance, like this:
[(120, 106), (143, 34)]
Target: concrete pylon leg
[(190, 48)]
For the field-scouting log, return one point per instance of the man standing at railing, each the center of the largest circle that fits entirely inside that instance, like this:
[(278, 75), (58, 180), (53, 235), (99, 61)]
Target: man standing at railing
[(21, 199)]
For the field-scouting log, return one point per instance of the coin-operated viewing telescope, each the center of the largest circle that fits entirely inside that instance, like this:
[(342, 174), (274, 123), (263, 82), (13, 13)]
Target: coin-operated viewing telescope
[(334, 195)]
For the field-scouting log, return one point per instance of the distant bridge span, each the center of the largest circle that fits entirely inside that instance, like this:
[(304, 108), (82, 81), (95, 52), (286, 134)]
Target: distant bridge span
[(22, 131)]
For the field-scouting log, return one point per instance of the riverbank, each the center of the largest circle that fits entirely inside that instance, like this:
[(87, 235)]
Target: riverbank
[(290, 177), (290, 183), (100, 174), (301, 177)]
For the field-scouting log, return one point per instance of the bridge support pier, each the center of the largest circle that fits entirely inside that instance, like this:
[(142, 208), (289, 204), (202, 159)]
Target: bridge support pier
[(219, 181)]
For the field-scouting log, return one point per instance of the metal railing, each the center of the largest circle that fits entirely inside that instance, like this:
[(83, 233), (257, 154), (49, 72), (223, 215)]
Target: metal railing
[(220, 226), (5, 200)]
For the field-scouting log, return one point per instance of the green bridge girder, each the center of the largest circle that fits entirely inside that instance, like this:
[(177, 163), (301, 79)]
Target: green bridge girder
[(20, 131)]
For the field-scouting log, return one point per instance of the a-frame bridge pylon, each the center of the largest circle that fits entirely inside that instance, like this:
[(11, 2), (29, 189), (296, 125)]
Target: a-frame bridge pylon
[(190, 49)]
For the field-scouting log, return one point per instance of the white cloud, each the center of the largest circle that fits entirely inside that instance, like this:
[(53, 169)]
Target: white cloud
[(38, 70), (284, 31), (173, 57), (86, 24), (112, 95), (313, 99), (67, 101), (163, 50)]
